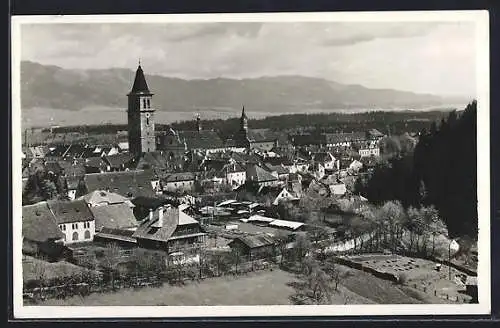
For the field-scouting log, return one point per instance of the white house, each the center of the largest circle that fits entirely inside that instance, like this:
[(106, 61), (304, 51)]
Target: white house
[(355, 166), (236, 174), (371, 151), (75, 220), (338, 189), (284, 195), (178, 182), (326, 159)]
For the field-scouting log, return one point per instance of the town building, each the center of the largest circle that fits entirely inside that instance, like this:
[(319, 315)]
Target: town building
[(141, 124), (74, 219), (41, 235), (169, 229)]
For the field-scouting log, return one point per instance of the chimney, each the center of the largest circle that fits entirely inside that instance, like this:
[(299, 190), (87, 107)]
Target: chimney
[(160, 217), (150, 214)]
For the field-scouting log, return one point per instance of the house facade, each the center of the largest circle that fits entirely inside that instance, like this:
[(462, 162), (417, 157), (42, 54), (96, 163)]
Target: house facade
[(74, 219)]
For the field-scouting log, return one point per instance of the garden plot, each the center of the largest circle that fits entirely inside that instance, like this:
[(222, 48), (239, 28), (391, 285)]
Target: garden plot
[(419, 274)]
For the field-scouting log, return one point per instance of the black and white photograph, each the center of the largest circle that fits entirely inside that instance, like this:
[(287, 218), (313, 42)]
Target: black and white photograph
[(251, 164)]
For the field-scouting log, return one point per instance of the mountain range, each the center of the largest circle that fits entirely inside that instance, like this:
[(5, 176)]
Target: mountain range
[(44, 86)]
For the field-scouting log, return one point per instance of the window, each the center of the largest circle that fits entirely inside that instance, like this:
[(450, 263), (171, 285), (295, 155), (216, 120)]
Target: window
[(144, 103), (149, 104), (87, 234), (75, 235)]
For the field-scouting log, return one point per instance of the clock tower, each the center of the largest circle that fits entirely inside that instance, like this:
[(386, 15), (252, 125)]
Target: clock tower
[(141, 124)]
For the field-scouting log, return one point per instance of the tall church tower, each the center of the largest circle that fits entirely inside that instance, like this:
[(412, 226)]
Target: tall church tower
[(243, 122), (141, 124)]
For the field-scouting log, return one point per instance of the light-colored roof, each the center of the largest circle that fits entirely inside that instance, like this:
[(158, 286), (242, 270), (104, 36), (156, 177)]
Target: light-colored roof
[(186, 219), (286, 224), (227, 202), (117, 216), (260, 218), (102, 197)]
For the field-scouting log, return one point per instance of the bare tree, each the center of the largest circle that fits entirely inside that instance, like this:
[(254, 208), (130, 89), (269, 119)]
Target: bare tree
[(110, 261)]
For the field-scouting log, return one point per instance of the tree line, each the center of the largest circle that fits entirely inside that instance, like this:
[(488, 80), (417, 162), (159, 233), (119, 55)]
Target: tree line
[(440, 172)]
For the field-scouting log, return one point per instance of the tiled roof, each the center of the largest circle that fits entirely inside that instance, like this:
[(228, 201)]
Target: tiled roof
[(129, 183), (258, 174), (375, 133), (157, 160), (95, 162), (102, 197), (260, 135), (149, 230), (184, 176), (117, 234), (117, 160), (333, 138), (322, 157), (70, 211), (278, 169), (116, 216), (201, 139), (39, 224), (255, 241)]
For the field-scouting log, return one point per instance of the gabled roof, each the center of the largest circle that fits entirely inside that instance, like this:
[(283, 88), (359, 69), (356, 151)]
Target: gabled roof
[(204, 139), (332, 138), (129, 183), (116, 216), (70, 211), (102, 197), (261, 135), (156, 160), (140, 85), (255, 241), (323, 157), (375, 133), (95, 162), (183, 176), (185, 219), (117, 160), (258, 174), (39, 224), (149, 230), (277, 168)]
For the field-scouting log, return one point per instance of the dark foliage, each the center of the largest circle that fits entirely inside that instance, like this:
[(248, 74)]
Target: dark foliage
[(442, 171)]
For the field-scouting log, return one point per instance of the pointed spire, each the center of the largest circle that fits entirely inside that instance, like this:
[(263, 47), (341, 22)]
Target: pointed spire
[(243, 112), (140, 84)]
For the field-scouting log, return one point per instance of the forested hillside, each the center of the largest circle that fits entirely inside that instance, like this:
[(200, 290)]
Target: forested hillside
[(442, 171)]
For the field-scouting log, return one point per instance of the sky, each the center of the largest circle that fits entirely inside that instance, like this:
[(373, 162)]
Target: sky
[(423, 57)]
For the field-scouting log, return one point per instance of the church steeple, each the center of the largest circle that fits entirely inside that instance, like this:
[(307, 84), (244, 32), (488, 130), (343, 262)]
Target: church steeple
[(141, 123), (243, 120), (140, 85)]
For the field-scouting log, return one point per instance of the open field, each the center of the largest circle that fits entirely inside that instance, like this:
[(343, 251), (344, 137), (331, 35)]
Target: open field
[(262, 288), (257, 288), (34, 268)]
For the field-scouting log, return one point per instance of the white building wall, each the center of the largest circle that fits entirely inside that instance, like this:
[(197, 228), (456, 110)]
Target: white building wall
[(69, 229)]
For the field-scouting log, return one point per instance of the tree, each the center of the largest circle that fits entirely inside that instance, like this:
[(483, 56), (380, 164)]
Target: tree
[(394, 214), (301, 246), (110, 261)]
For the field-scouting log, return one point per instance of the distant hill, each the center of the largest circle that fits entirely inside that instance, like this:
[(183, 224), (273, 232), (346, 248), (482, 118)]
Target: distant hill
[(45, 86)]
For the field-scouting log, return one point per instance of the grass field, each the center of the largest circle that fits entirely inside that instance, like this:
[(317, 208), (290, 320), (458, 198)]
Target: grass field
[(258, 288)]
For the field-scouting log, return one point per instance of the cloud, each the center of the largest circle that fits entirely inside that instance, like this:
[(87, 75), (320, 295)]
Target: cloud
[(366, 32), (420, 57)]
